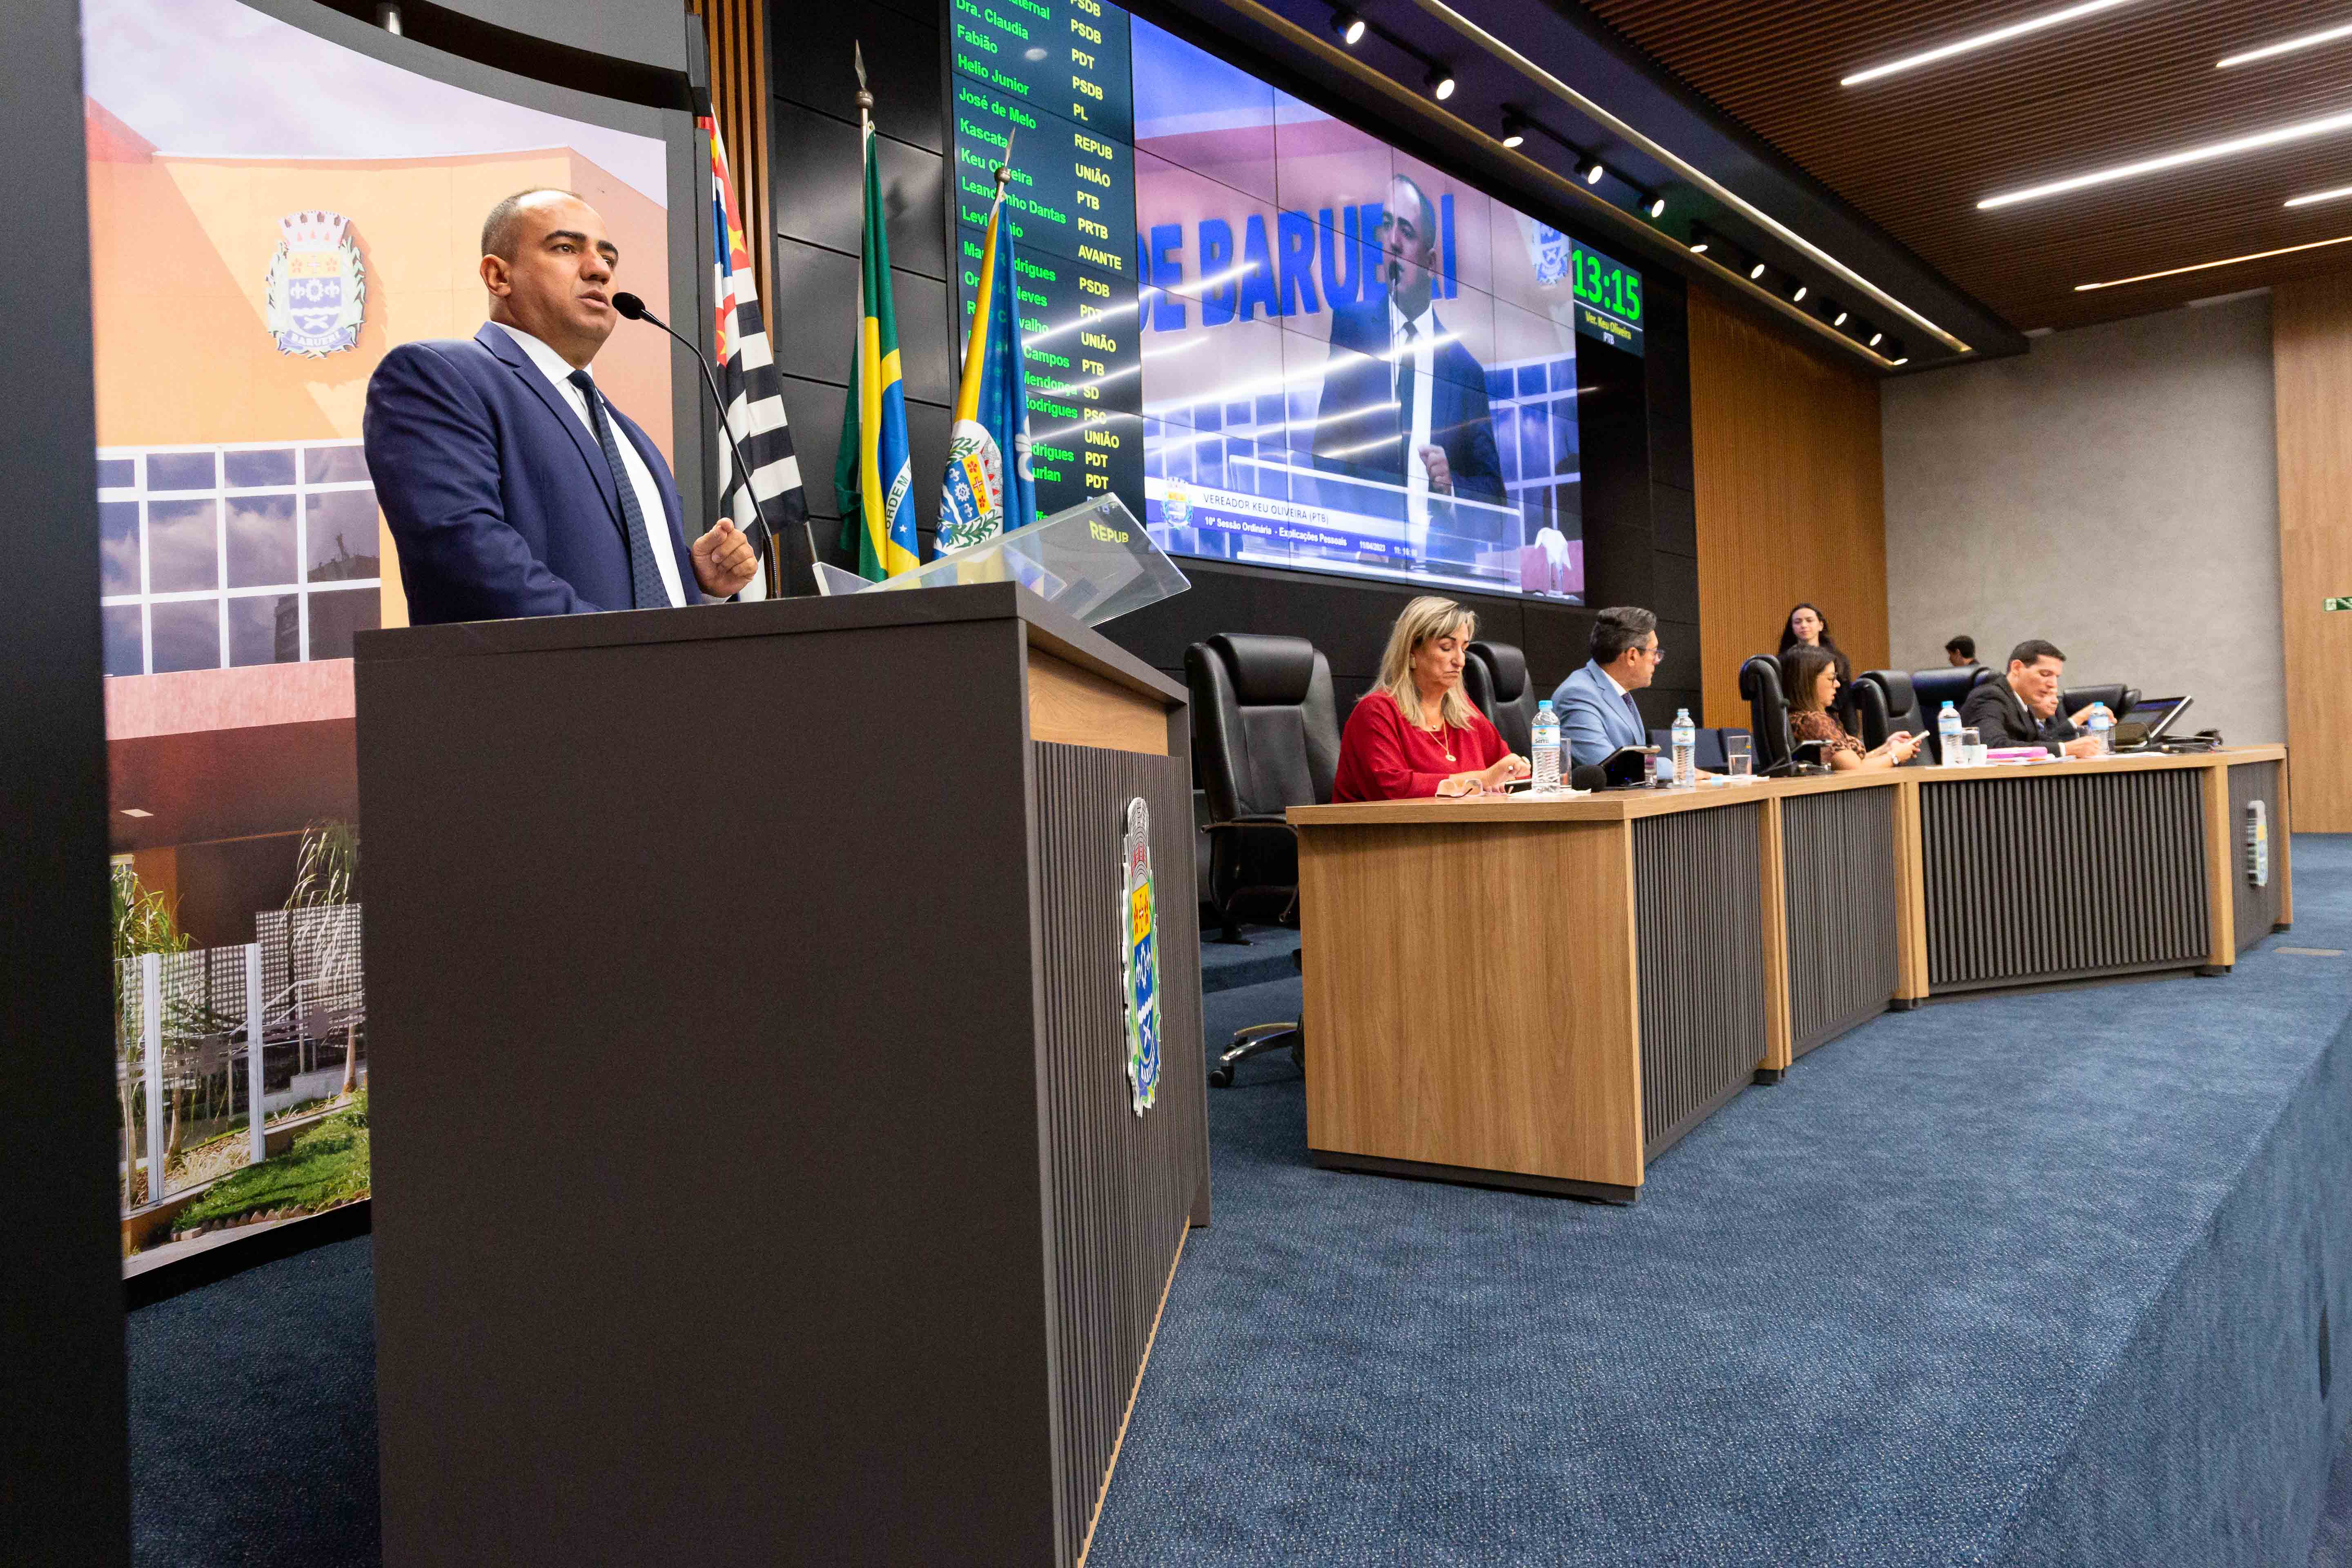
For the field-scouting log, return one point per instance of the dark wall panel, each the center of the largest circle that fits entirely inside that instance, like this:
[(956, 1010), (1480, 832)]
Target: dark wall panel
[(66, 1496), (650, 32)]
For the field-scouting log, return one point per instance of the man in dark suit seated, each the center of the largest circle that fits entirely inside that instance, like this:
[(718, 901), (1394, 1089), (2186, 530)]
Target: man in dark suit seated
[(2021, 710), (513, 487), (1403, 403)]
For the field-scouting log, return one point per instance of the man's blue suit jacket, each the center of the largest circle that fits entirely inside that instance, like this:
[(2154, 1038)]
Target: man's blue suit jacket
[(1595, 717), (1361, 376), (500, 501)]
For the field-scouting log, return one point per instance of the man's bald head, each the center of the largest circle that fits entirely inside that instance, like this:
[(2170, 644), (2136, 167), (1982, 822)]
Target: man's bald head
[(502, 230), (549, 265)]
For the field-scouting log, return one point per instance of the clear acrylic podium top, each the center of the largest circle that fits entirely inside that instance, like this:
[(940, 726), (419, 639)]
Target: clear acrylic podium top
[(1094, 563)]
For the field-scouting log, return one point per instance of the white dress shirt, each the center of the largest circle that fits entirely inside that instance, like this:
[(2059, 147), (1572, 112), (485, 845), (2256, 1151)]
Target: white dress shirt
[(553, 366), (1413, 421)]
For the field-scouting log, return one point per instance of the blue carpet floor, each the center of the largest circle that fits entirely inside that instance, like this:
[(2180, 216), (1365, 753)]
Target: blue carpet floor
[(1864, 1316), (1847, 1324)]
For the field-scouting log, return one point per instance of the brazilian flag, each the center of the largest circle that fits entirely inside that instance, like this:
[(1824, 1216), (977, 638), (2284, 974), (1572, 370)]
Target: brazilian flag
[(873, 478)]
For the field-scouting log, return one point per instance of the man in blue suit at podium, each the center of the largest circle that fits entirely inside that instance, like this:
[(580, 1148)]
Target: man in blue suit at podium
[(513, 487)]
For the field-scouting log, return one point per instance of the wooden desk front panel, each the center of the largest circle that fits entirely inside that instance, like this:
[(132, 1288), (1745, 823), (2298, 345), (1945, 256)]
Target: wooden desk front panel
[(2057, 874), (1470, 996), (1842, 895), (1699, 902), (2257, 911)]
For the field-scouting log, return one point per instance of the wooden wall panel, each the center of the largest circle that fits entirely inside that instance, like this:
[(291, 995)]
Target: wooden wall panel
[(1792, 499), (737, 32), (2311, 339)]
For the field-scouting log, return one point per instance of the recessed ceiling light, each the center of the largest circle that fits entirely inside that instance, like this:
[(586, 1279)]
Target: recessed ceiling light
[(1902, 359), (134, 811), (1799, 297), (1981, 41), (1441, 84), (1841, 315), (1699, 246), (1876, 338), (2286, 47), (2339, 192), (1695, 177), (1755, 272), (2208, 266), (2302, 131)]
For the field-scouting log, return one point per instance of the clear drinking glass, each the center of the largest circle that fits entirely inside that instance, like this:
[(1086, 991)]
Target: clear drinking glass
[(1650, 770), (1972, 751), (1738, 756)]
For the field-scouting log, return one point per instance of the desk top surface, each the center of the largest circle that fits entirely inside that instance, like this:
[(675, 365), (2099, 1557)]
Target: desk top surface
[(1619, 805)]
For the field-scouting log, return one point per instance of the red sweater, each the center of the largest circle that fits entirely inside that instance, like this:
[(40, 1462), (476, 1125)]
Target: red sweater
[(1384, 757)]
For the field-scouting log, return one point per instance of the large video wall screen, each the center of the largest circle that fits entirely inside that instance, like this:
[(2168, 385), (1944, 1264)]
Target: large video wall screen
[(1280, 340)]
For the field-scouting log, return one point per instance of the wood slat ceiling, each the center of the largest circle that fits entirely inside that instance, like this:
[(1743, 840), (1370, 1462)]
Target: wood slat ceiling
[(1915, 152)]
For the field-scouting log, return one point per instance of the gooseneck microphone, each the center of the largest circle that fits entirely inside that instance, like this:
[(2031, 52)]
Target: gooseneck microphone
[(630, 306)]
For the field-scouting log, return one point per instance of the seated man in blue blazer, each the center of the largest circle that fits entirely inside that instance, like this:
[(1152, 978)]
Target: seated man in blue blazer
[(1595, 705), (513, 487)]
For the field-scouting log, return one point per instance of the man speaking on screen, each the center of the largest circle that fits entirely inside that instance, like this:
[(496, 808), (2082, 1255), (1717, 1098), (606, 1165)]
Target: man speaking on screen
[(1404, 403), (512, 485)]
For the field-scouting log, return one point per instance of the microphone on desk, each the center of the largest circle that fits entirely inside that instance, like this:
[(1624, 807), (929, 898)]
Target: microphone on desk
[(1587, 776), (630, 306)]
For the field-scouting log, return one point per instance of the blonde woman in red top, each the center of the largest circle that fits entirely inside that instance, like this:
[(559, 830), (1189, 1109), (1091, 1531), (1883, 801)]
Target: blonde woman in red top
[(1415, 734)]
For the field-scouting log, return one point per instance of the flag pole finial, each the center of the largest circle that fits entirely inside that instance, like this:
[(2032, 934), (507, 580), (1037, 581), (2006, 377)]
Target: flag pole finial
[(865, 97), (1004, 169)]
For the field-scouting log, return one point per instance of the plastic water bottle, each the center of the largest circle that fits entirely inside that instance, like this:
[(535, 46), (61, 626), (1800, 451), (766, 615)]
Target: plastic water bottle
[(1685, 750), (1948, 736), (1546, 747), (2103, 729)]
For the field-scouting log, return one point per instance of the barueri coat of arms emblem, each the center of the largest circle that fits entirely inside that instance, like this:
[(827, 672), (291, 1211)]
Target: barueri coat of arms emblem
[(317, 289), (1139, 957)]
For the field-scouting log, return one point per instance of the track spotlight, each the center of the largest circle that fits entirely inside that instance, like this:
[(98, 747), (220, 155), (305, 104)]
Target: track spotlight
[(1900, 359), (1441, 83), (1657, 207), (1878, 338), (1348, 27), (1799, 297), (1842, 315), (1593, 170), (1756, 272), (1515, 131)]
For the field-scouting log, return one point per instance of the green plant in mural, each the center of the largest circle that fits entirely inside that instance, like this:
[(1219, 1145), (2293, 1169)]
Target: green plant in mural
[(144, 923), (327, 873)]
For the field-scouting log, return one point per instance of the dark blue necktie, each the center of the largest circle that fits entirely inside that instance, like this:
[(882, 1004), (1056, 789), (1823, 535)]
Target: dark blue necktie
[(646, 590)]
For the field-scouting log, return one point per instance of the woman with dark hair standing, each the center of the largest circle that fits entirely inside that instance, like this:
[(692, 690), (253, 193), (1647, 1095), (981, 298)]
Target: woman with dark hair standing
[(1807, 626), (1809, 677)]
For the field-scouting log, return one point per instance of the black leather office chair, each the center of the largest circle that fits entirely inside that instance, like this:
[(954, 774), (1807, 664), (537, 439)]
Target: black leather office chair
[(1265, 737), (1886, 701), (1496, 678), (2118, 699), (1934, 687), (1768, 712)]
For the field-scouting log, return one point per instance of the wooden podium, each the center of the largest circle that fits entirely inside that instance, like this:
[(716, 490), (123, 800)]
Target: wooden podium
[(757, 1172)]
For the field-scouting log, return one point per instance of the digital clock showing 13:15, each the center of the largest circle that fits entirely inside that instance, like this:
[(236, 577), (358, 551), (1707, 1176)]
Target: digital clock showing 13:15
[(1606, 285)]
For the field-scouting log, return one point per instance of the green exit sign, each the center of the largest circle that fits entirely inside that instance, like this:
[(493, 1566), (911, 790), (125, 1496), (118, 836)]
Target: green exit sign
[(2336, 604)]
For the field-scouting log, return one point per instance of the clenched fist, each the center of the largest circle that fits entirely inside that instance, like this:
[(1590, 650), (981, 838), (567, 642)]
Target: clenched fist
[(724, 560)]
